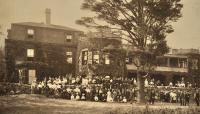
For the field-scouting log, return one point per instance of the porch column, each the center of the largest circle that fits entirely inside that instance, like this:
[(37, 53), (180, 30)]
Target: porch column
[(179, 65), (168, 62)]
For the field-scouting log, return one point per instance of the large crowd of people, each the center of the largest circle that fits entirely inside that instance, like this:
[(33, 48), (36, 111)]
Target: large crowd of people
[(106, 89)]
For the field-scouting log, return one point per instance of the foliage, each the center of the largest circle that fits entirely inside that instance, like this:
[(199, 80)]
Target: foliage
[(14, 88), (104, 44), (194, 72), (145, 23), (49, 60), (116, 67)]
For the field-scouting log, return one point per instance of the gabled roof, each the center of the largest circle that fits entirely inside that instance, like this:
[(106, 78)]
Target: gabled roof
[(43, 25)]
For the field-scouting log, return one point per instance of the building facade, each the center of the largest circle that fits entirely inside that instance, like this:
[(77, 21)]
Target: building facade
[(173, 67), (36, 50), (102, 55)]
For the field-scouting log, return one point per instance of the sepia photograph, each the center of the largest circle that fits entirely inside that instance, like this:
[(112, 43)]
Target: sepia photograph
[(99, 56)]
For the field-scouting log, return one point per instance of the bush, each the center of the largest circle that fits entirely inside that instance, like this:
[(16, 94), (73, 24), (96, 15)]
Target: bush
[(14, 88)]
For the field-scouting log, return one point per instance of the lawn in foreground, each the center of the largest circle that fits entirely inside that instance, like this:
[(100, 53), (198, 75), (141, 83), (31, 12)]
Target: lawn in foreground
[(37, 104)]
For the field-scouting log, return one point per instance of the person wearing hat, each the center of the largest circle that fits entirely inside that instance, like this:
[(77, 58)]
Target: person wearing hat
[(187, 98)]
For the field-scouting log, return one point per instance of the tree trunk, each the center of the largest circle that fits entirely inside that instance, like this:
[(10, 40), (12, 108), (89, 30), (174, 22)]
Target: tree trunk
[(140, 83)]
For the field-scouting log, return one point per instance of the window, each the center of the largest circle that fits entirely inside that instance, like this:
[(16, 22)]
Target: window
[(69, 57), (69, 53), (22, 78), (68, 38), (107, 60), (30, 53), (30, 33), (173, 62), (182, 62), (96, 57), (161, 61), (89, 57), (84, 57), (127, 60)]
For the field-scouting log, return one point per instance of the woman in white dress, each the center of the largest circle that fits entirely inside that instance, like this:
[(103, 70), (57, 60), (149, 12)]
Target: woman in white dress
[(109, 96), (77, 97), (72, 97)]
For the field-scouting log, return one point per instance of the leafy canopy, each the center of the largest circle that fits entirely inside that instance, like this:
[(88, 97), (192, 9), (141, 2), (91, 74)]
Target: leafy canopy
[(144, 23)]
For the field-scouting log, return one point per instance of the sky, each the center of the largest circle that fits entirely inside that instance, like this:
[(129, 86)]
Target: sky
[(66, 12)]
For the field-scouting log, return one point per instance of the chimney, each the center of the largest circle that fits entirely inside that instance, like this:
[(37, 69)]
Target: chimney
[(48, 15)]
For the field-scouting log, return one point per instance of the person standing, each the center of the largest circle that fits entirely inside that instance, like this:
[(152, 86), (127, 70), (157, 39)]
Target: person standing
[(88, 93), (109, 96), (187, 98), (182, 98), (33, 86), (196, 97), (152, 97)]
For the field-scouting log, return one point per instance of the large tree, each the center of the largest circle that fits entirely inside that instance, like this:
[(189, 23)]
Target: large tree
[(144, 24)]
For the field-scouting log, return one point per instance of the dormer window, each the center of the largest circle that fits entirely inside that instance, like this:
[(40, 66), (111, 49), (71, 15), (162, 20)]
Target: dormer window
[(30, 33), (68, 38)]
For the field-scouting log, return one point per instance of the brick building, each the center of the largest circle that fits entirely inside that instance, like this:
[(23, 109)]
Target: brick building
[(36, 50)]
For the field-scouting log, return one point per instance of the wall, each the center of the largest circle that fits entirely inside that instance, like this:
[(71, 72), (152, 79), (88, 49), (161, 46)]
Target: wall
[(46, 35), (51, 55)]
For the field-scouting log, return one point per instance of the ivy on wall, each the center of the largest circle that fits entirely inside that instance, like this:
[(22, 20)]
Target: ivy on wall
[(49, 60)]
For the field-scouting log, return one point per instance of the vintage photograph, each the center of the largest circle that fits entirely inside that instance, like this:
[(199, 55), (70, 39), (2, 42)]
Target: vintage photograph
[(99, 57)]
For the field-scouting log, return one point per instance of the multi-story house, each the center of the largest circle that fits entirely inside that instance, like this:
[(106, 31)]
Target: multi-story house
[(37, 50)]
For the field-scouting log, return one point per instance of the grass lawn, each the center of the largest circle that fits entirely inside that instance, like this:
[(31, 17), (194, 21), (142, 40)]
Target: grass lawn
[(38, 104)]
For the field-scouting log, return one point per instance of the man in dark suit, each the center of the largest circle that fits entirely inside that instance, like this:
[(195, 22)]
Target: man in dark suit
[(152, 97), (182, 98), (196, 97), (187, 98)]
